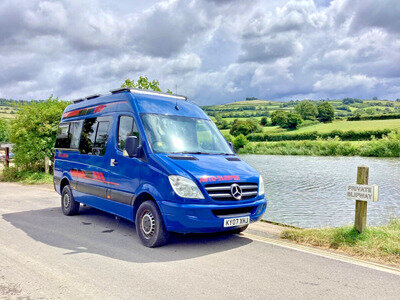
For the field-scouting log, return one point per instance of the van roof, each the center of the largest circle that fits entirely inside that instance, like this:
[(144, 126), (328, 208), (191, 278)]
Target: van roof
[(146, 102)]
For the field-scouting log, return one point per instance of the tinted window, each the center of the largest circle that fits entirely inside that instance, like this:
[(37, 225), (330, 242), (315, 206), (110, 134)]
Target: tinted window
[(74, 134), (62, 140), (101, 138), (127, 127), (88, 136)]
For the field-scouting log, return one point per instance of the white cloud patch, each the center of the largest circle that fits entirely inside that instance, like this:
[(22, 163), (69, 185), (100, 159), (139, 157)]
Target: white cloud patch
[(213, 51)]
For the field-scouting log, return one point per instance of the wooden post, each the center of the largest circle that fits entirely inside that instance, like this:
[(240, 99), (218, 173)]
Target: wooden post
[(47, 165), (7, 158), (360, 222)]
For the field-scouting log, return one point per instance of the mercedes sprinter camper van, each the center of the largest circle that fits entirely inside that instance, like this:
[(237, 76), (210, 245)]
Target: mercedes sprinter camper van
[(157, 160)]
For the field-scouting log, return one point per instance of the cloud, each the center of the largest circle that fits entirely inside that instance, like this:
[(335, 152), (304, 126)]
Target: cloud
[(213, 51)]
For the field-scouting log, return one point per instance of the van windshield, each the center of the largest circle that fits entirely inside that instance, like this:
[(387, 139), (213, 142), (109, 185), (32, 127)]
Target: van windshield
[(177, 134)]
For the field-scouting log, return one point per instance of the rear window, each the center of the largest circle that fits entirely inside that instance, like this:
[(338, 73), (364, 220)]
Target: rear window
[(68, 135), (62, 140), (94, 136)]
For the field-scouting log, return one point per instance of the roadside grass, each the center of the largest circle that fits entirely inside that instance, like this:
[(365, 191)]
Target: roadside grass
[(26, 177), (378, 243)]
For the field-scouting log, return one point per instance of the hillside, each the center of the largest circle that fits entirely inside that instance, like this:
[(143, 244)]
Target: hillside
[(259, 108)]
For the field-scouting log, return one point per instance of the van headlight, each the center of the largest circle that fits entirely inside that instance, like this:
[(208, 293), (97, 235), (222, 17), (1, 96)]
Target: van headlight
[(184, 187), (261, 186)]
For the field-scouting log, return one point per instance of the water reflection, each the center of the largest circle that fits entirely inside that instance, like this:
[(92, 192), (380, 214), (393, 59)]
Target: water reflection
[(309, 191)]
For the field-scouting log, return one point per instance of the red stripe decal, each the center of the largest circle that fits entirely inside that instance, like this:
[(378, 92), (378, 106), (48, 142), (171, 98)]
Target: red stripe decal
[(95, 176), (90, 110)]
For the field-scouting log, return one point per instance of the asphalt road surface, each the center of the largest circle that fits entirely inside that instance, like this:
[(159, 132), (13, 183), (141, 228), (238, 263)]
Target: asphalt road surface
[(44, 254)]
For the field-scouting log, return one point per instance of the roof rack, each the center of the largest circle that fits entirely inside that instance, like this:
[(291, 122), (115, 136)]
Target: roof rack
[(147, 92), (92, 96), (78, 100)]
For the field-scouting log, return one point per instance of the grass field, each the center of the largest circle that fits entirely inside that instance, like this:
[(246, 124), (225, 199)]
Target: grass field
[(379, 243), (356, 126), (343, 126)]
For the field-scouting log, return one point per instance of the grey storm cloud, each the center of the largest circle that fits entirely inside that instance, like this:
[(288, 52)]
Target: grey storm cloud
[(213, 51)]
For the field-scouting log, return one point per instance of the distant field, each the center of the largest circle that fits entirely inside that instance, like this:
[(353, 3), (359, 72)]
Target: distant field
[(342, 125), (337, 125)]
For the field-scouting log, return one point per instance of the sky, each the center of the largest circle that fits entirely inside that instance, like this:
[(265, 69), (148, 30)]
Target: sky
[(213, 51)]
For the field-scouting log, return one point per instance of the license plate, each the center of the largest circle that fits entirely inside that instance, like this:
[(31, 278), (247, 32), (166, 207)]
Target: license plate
[(236, 221)]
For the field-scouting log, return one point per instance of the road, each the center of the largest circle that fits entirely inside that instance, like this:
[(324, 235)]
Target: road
[(44, 254)]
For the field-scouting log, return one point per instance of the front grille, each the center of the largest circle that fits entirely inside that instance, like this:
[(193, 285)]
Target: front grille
[(222, 191)]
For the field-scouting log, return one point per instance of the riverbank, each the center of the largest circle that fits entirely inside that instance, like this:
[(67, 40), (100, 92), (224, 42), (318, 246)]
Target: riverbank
[(386, 147), (375, 243)]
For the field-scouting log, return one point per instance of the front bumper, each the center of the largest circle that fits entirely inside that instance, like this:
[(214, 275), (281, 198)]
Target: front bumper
[(201, 218)]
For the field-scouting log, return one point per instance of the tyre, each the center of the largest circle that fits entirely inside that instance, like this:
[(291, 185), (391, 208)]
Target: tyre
[(150, 225), (68, 204), (239, 230)]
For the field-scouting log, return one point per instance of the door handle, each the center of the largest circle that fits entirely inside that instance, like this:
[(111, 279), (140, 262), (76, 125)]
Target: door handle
[(113, 162)]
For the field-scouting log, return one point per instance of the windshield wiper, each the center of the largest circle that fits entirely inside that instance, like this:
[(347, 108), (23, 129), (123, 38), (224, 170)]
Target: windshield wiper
[(191, 152)]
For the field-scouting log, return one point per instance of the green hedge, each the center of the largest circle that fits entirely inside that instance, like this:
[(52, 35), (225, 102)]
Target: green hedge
[(373, 117), (387, 147), (343, 135)]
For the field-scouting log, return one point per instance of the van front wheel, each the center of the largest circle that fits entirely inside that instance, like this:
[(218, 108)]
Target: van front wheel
[(68, 204), (150, 226)]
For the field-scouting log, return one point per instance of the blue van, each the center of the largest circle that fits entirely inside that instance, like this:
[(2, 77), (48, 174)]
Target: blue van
[(155, 159)]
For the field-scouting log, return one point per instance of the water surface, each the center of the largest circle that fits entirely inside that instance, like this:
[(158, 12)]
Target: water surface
[(310, 191)]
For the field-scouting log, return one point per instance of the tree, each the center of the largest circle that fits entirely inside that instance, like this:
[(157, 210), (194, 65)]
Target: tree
[(326, 113), (279, 117), (244, 127), (375, 98), (33, 132), (293, 120), (144, 83), (4, 130), (285, 119), (307, 110)]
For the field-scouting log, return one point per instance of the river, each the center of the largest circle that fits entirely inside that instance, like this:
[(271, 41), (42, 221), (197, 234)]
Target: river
[(310, 191)]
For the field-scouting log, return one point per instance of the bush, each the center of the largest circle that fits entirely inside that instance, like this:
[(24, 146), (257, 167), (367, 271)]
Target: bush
[(13, 175), (240, 141), (264, 121), (33, 132), (358, 117), (244, 127)]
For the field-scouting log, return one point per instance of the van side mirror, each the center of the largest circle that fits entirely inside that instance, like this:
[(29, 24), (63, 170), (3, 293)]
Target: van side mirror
[(132, 146)]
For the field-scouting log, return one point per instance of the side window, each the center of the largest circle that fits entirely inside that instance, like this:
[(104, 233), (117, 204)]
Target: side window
[(75, 129), (62, 140), (101, 138), (88, 136), (126, 127)]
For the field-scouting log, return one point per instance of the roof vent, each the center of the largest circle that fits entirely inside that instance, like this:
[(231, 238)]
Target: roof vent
[(78, 100), (123, 89), (92, 96)]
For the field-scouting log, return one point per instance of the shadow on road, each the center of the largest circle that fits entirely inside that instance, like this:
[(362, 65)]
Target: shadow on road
[(93, 231)]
